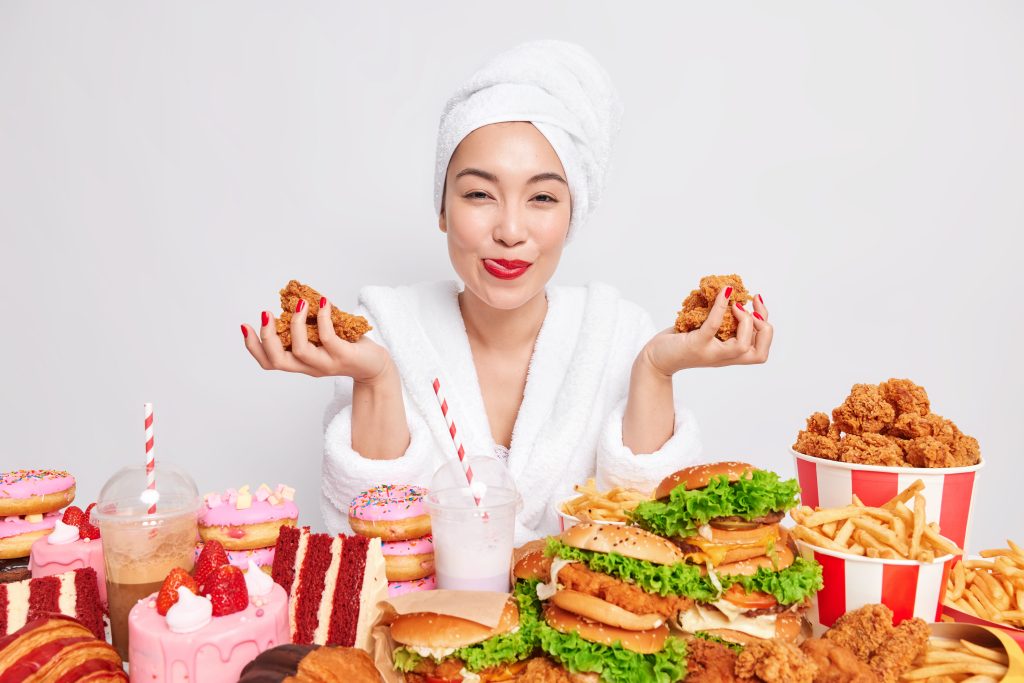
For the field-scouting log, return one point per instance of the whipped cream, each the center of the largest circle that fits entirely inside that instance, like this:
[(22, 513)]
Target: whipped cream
[(190, 613), (62, 534), (257, 582)]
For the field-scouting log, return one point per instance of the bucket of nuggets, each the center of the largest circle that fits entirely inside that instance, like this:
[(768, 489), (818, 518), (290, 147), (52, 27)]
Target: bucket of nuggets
[(989, 590), (604, 507), (888, 554), (879, 438)]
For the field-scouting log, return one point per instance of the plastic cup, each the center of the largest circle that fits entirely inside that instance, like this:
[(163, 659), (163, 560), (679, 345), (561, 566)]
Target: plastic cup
[(473, 543), (140, 549)]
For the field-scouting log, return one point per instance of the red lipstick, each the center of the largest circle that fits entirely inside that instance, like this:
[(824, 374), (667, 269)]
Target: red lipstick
[(504, 269)]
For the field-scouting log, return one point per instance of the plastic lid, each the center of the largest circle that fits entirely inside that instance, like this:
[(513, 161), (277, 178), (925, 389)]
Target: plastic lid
[(126, 493), (490, 475)]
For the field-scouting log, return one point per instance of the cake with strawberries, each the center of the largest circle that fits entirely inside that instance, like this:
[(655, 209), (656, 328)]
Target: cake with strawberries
[(334, 584), (206, 626), (73, 594), (74, 543)]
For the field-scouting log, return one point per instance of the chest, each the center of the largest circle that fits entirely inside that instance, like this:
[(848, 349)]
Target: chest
[(502, 378)]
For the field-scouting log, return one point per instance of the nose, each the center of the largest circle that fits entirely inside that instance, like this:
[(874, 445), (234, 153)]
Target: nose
[(511, 228)]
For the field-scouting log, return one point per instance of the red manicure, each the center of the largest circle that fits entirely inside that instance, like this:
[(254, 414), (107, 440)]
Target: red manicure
[(266, 318), (760, 299), (739, 305), (299, 306), (245, 332), (758, 316), (728, 292), (323, 301)]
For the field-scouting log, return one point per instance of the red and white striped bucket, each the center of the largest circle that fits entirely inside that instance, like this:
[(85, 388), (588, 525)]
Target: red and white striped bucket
[(908, 588), (948, 491)]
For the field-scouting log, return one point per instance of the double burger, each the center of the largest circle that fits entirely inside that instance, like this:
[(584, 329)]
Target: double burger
[(724, 517)]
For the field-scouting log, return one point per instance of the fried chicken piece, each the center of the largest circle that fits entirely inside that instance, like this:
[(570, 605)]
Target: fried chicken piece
[(906, 397), (871, 449), (927, 451), (910, 426), (863, 630), (837, 663), (897, 652), (711, 662), (543, 670), (865, 411), (626, 595), (820, 439), (698, 304), (775, 661), (349, 327), (966, 451)]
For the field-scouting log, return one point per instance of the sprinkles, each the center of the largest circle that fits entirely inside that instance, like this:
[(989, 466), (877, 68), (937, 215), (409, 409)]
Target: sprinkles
[(391, 496), (8, 478)]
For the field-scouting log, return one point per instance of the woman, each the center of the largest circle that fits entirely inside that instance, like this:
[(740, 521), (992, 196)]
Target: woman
[(564, 383)]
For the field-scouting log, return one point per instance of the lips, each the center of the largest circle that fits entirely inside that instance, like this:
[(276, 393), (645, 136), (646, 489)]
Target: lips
[(503, 269)]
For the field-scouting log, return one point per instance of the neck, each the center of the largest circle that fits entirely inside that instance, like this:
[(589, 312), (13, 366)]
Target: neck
[(496, 328)]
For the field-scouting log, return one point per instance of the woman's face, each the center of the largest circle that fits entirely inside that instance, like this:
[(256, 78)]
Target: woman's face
[(506, 212)]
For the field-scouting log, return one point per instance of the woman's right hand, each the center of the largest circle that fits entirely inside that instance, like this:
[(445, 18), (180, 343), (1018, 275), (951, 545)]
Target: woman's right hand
[(364, 361)]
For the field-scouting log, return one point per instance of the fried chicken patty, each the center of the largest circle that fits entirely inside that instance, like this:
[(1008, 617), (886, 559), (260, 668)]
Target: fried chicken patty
[(625, 595)]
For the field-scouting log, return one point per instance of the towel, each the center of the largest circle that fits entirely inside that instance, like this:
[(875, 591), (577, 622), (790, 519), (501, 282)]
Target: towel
[(563, 91)]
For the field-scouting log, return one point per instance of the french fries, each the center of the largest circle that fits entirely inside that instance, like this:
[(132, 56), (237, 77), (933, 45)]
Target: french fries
[(990, 588), (947, 659), (892, 531), (610, 506)]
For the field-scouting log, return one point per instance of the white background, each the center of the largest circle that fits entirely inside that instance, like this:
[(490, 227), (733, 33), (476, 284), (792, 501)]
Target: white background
[(166, 167)]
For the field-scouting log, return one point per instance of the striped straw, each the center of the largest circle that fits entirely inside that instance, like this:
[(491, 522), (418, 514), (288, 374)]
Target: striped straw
[(150, 459), (459, 450)]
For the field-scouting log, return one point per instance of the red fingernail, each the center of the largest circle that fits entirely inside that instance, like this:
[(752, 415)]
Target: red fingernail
[(245, 332), (760, 299), (728, 292), (266, 318), (739, 305), (323, 301), (758, 316), (299, 306)]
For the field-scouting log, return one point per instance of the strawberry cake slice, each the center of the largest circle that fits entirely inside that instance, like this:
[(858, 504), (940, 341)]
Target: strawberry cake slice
[(72, 594), (74, 543), (208, 625)]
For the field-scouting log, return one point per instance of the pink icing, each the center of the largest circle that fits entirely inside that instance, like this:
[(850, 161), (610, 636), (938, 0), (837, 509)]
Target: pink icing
[(216, 652), (48, 559), (26, 483), (226, 514), (388, 502), (401, 587), (417, 546), (15, 526)]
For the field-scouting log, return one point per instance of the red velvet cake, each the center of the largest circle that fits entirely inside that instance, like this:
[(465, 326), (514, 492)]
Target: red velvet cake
[(73, 594), (335, 584)]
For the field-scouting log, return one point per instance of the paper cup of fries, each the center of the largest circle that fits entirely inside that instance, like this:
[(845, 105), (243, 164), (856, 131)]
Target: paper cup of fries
[(960, 652), (949, 491), (591, 505), (988, 589)]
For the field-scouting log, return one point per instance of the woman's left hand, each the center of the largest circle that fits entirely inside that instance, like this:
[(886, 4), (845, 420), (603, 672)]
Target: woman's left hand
[(671, 351)]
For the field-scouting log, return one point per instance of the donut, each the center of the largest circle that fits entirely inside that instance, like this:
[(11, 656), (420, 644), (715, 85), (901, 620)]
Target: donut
[(35, 492), (17, 534), (409, 560), (241, 520), (391, 512), (401, 587)]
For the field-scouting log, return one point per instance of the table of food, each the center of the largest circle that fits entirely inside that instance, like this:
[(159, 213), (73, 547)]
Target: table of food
[(853, 563)]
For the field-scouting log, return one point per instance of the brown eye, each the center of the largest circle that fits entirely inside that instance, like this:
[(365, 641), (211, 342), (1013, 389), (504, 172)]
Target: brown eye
[(545, 198), (476, 195)]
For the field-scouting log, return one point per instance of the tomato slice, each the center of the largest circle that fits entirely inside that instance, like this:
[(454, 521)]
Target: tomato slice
[(737, 596), (435, 679)]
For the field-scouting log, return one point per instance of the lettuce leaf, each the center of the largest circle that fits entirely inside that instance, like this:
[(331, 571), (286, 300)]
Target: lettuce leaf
[(791, 585), (704, 635), (405, 659), (686, 511), (508, 647), (614, 663)]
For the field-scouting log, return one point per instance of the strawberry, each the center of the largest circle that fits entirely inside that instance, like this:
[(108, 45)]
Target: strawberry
[(169, 591), (211, 558), (73, 516), (88, 530), (88, 512), (226, 590)]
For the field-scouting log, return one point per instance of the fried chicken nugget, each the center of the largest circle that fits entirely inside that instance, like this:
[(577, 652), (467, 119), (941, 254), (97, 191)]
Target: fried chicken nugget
[(894, 656), (775, 661), (927, 451), (863, 630), (906, 397), (349, 327), (871, 449), (865, 411), (711, 662), (698, 304), (836, 663)]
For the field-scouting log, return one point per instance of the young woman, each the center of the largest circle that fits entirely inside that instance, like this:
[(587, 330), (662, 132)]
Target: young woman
[(563, 383)]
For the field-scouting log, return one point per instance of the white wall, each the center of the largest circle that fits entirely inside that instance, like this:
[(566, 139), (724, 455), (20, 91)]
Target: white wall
[(166, 166)]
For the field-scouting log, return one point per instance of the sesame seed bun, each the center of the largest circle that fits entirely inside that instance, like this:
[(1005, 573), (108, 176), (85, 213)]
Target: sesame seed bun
[(628, 541), (699, 476), (429, 629), (596, 609), (533, 565), (643, 642)]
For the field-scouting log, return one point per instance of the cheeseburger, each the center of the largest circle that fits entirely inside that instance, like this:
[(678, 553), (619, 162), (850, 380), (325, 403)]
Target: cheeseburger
[(725, 517)]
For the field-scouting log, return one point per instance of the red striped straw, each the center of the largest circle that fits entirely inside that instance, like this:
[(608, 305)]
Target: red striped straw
[(150, 458), (446, 411)]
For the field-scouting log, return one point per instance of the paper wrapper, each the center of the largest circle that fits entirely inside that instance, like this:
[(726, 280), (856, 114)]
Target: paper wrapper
[(987, 637), (483, 607), (1016, 634)]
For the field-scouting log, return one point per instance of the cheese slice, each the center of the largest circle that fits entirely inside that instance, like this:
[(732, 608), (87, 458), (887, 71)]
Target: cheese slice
[(722, 614)]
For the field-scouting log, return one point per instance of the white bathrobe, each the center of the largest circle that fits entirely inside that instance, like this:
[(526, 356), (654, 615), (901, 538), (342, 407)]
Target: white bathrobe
[(569, 426)]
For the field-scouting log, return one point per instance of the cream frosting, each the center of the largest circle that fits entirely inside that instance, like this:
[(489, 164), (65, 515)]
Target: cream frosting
[(190, 613), (389, 502), (47, 559), (417, 546), (15, 526), (27, 483), (257, 582), (374, 592), (63, 534)]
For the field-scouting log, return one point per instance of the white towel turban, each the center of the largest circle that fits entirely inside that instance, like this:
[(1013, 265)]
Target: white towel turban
[(561, 89)]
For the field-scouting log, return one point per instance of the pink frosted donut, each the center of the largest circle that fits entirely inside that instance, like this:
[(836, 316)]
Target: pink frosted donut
[(409, 560), (401, 587), (392, 512), (17, 534), (35, 492), (246, 521)]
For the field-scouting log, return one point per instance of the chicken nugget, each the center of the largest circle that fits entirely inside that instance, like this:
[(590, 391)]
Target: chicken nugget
[(698, 304), (928, 451), (894, 656), (816, 445), (836, 663), (775, 661), (871, 449), (862, 630), (906, 397), (865, 411)]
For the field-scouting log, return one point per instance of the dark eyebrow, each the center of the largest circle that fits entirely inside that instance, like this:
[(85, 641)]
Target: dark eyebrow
[(493, 178)]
